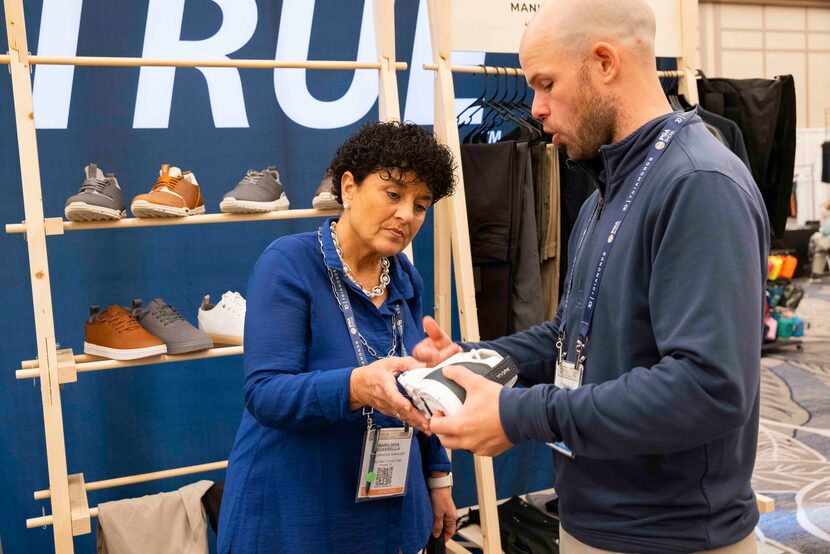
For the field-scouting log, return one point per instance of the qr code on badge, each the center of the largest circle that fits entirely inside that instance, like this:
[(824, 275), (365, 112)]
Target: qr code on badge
[(384, 476)]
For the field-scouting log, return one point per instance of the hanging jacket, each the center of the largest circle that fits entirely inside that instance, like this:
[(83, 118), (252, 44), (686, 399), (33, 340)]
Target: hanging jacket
[(765, 110)]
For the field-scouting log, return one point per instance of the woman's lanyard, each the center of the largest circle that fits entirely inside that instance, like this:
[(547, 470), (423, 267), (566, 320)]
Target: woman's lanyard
[(673, 126)]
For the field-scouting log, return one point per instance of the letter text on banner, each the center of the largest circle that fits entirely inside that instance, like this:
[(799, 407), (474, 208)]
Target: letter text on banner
[(161, 40)]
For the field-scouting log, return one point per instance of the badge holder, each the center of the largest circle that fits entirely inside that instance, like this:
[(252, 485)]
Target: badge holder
[(569, 374), (384, 464)]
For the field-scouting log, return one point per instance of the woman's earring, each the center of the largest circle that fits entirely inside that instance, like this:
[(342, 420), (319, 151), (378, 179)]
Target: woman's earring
[(345, 205)]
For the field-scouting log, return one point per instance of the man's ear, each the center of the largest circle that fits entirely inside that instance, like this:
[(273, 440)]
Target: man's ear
[(606, 60)]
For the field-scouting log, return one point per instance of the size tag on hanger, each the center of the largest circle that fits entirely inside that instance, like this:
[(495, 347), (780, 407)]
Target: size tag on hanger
[(384, 464), (568, 375)]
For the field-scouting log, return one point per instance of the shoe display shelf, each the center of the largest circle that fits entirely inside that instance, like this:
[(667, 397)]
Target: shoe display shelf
[(67, 493), (57, 225), (70, 364)]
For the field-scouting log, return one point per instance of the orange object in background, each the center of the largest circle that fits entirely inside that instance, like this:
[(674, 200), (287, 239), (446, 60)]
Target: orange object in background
[(788, 267), (776, 262)]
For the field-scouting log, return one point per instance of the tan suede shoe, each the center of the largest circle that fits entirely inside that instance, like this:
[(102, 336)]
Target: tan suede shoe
[(175, 194), (114, 333)]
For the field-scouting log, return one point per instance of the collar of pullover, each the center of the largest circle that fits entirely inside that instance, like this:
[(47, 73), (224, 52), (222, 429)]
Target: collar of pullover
[(618, 160)]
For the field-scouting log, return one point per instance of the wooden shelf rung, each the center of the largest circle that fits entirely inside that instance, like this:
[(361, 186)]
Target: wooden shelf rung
[(133, 222), (143, 477), (105, 363), (114, 61)]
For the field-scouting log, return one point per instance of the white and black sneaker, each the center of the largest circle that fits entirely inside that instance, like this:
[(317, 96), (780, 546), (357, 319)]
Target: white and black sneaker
[(99, 198), (430, 391)]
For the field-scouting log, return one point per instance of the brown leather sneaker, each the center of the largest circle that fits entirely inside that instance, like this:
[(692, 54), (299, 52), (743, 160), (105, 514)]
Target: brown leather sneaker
[(115, 334), (175, 194)]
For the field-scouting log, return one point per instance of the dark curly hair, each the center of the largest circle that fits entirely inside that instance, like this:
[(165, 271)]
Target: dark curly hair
[(395, 149)]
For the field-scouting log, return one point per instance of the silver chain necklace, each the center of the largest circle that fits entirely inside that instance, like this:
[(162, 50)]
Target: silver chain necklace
[(378, 289), (372, 352)]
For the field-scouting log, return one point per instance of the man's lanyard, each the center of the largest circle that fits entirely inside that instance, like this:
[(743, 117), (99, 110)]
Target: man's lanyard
[(673, 125)]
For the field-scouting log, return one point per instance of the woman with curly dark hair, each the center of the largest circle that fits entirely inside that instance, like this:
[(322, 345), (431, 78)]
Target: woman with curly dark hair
[(324, 460)]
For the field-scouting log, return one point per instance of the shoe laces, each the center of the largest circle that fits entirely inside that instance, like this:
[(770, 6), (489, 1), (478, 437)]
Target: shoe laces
[(121, 321), (166, 181), (252, 176), (94, 184), (167, 314), (234, 302)]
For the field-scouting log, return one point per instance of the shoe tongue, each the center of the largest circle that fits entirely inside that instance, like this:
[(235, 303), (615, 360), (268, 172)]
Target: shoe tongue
[(92, 172), (169, 171), (112, 311)]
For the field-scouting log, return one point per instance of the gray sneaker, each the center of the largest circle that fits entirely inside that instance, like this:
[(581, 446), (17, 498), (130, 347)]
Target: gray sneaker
[(163, 321), (99, 198), (323, 197), (258, 191)]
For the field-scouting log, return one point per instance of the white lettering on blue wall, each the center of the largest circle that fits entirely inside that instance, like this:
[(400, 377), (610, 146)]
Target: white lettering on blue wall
[(161, 40), (290, 84), (60, 23), (58, 36)]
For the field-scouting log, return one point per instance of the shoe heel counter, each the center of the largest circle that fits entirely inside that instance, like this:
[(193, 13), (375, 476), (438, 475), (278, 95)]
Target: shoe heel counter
[(506, 372)]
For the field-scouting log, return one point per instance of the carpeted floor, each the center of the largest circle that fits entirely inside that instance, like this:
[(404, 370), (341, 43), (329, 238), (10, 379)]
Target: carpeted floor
[(793, 463)]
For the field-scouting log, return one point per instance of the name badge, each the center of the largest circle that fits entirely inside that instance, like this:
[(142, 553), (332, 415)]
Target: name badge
[(568, 375), (384, 464)]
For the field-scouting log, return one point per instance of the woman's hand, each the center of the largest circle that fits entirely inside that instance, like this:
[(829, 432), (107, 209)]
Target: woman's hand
[(443, 512), (437, 347), (375, 385)]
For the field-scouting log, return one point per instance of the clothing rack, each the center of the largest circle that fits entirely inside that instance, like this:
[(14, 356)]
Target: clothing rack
[(515, 71), (55, 367)]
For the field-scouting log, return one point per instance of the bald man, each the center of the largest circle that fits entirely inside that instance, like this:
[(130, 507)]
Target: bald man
[(646, 384)]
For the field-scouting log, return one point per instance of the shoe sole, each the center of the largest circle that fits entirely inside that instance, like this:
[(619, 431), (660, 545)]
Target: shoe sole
[(225, 339), (142, 208), (192, 346), (81, 211), (235, 206), (124, 353), (325, 201)]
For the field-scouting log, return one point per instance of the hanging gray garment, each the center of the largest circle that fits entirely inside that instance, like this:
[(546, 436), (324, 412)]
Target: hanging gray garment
[(170, 522), (527, 306)]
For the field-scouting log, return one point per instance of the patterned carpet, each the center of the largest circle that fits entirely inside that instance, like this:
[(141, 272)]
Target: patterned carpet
[(794, 440)]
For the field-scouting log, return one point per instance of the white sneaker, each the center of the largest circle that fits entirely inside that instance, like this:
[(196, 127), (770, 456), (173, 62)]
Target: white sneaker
[(430, 391), (224, 321)]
